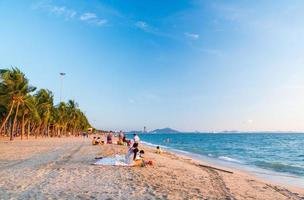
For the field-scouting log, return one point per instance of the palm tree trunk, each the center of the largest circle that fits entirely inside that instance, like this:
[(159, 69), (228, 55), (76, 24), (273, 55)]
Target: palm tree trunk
[(33, 127), (36, 131), (9, 126), (65, 131), (2, 119), (15, 120), (22, 126), (28, 129), (4, 128), (7, 117), (48, 130)]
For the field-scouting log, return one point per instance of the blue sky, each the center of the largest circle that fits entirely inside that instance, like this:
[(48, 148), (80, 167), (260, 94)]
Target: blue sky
[(189, 65)]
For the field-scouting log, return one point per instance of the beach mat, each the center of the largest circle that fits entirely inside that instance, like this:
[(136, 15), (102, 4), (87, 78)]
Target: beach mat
[(118, 160)]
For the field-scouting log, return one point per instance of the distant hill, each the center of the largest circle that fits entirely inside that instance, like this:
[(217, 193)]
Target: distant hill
[(164, 130)]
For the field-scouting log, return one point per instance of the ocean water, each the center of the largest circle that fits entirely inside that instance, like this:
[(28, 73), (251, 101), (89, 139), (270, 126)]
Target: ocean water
[(281, 153)]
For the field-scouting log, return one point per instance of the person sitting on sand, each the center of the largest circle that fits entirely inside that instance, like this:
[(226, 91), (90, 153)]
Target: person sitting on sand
[(158, 150), (94, 141), (140, 155), (120, 138), (124, 140), (100, 141), (139, 160)]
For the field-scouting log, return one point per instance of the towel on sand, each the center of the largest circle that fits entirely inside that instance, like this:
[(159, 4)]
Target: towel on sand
[(118, 160)]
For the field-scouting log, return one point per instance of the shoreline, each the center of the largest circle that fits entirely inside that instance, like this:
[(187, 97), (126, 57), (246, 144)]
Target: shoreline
[(288, 180), (52, 168)]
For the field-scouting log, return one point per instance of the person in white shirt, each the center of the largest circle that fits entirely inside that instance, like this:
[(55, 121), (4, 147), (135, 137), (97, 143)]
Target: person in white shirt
[(136, 139)]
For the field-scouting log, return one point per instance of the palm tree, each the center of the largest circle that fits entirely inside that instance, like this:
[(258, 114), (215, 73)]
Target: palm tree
[(44, 99), (72, 108), (14, 87), (4, 106), (27, 110), (62, 118), (34, 120), (19, 109)]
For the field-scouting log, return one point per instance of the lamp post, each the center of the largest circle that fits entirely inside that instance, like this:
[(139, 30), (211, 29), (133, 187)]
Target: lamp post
[(61, 84)]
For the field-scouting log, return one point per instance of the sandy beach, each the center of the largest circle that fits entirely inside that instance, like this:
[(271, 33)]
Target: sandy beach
[(61, 168)]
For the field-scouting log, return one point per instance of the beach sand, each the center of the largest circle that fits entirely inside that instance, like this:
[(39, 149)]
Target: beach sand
[(61, 168)]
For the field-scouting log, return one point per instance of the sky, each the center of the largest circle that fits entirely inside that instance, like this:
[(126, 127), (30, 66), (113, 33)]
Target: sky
[(192, 65)]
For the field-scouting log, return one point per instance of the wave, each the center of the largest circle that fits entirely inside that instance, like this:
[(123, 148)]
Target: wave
[(181, 151), (154, 145), (226, 158), (149, 144), (166, 147), (273, 166), (280, 167)]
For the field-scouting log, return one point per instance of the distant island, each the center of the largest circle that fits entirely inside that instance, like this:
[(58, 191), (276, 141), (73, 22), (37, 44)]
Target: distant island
[(156, 131), (173, 131), (164, 130)]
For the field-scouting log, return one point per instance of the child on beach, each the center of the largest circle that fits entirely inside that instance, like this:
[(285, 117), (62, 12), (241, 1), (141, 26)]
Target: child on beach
[(139, 160), (158, 150)]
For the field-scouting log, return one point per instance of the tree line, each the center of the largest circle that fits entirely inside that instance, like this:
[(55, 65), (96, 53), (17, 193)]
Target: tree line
[(26, 111)]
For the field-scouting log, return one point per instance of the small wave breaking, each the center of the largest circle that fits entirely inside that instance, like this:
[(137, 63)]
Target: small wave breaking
[(226, 158)]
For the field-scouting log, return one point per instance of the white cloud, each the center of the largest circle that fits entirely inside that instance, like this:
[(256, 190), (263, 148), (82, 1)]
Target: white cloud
[(68, 14), (101, 22), (192, 36), (92, 19), (57, 10), (88, 16), (71, 13), (61, 11), (142, 25)]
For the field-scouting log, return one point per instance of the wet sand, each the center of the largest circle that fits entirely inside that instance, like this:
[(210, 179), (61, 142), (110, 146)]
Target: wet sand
[(62, 168)]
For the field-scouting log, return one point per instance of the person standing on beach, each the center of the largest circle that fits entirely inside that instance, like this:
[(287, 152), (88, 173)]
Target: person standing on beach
[(109, 138), (136, 138)]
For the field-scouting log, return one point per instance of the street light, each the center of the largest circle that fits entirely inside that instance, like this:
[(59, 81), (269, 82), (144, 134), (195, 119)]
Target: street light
[(61, 83)]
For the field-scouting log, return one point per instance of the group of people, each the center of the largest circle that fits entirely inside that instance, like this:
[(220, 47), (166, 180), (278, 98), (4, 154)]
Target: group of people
[(97, 140), (122, 140), (134, 156), (107, 140)]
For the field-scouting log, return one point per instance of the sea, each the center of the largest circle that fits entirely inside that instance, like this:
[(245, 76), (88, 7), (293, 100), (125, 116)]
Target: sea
[(275, 156)]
